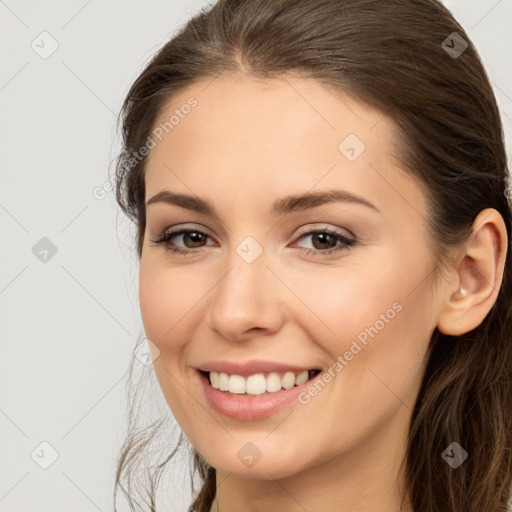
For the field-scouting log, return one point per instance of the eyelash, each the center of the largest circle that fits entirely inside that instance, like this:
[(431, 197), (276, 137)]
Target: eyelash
[(165, 238)]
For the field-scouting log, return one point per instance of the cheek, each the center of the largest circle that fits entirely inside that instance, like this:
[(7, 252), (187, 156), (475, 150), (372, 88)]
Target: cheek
[(339, 304), (166, 297), (376, 325), (371, 298), (167, 300)]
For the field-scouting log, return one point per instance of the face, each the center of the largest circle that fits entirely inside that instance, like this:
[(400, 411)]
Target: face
[(272, 286)]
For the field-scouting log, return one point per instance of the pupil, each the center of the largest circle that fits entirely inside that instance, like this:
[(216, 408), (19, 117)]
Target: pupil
[(193, 235), (321, 235)]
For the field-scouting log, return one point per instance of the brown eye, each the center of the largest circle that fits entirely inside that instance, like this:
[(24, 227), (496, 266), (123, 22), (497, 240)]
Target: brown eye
[(192, 239), (326, 242), (195, 237)]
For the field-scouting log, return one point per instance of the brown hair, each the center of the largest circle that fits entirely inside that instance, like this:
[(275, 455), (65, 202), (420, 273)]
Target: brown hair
[(390, 55)]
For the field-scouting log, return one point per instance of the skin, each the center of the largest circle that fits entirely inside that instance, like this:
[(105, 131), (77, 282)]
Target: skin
[(247, 143)]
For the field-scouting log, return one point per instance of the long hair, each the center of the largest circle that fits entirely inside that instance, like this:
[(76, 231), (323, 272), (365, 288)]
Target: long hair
[(400, 57)]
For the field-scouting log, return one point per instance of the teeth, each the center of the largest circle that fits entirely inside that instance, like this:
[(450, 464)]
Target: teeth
[(214, 379), (258, 383), (301, 378), (223, 381), (289, 379), (236, 384), (273, 382), (255, 384)]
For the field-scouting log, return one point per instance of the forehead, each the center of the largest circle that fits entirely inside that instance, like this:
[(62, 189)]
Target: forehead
[(285, 107), (264, 135)]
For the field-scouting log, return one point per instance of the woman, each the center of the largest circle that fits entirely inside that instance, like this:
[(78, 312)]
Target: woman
[(319, 188)]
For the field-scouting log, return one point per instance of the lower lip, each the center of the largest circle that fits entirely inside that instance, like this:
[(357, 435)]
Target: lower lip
[(250, 408)]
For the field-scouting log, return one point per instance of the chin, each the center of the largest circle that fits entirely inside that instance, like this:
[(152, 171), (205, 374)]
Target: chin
[(244, 459)]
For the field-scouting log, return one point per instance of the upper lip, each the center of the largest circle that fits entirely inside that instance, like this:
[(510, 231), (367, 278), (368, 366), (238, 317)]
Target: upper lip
[(250, 367)]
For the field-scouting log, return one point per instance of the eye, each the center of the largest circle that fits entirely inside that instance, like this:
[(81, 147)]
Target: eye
[(322, 237), (196, 238)]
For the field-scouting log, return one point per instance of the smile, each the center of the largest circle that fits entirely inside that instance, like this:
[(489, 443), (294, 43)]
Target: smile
[(258, 383), (255, 396)]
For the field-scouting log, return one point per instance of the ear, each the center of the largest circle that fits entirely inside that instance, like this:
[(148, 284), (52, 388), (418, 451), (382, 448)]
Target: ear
[(480, 273)]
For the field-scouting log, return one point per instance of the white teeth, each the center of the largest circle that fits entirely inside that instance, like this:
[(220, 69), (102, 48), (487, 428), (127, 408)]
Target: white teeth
[(289, 380), (236, 384), (258, 383), (223, 381), (214, 379), (273, 382), (301, 378)]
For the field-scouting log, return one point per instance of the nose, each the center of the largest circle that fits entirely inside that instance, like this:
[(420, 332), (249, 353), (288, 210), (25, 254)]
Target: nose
[(246, 301)]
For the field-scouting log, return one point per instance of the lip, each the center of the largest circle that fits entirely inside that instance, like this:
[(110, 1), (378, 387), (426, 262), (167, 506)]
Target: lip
[(251, 408), (250, 367)]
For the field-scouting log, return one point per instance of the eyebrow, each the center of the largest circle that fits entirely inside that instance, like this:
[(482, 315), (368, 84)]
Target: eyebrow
[(282, 206)]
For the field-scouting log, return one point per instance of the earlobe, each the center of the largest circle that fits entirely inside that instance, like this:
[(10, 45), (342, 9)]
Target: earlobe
[(480, 273)]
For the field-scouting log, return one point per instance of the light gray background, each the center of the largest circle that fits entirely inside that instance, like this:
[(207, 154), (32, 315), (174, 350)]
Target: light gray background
[(68, 325)]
